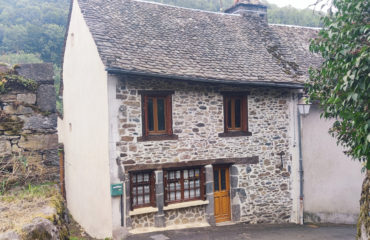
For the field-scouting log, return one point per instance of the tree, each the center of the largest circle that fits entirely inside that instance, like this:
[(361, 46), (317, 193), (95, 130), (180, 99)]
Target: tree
[(341, 84)]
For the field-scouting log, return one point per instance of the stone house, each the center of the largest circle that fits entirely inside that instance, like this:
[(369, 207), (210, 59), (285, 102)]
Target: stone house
[(193, 112)]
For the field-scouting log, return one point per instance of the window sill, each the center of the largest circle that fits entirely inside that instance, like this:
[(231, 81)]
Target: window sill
[(235, 134), (143, 210), (157, 138), (185, 204)]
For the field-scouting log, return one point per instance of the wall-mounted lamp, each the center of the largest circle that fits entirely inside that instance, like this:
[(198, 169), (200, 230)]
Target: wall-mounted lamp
[(304, 106), (304, 109)]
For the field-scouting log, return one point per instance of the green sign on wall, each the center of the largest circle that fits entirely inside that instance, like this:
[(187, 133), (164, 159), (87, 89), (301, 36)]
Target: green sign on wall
[(116, 189)]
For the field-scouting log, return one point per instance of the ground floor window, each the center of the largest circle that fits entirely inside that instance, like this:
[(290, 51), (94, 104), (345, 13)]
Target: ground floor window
[(142, 189), (184, 185)]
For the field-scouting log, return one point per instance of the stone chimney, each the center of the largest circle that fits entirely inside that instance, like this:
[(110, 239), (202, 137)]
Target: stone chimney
[(249, 8)]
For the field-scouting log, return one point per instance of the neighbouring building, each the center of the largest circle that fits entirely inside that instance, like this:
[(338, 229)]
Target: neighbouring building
[(332, 181), (193, 112)]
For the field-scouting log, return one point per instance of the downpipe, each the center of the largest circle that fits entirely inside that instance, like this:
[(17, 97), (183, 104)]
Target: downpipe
[(300, 169)]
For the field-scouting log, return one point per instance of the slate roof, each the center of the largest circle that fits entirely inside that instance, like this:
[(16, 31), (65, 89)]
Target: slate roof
[(156, 39)]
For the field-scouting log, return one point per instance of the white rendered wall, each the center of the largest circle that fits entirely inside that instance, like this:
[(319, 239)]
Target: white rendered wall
[(293, 134), (114, 137), (332, 181), (86, 130)]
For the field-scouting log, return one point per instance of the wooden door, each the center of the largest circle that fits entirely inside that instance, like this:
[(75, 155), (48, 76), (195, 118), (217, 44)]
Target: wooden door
[(221, 193)]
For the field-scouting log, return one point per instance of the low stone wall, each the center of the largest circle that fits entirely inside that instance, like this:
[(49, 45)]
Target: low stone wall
[(144, 220), (172, 217), (28, 134), (185, 216)]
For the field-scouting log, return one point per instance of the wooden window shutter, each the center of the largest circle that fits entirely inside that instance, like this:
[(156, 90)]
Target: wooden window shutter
[(146, 118), (152, 190), (202, 183), (169, 114), (226, 109), (165, 187), (131, 195), (244, 114)]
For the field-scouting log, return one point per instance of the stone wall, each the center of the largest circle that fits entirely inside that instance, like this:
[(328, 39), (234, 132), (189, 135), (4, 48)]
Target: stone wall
[(28, 135), (261, 192), (144, 220), (185, 216)]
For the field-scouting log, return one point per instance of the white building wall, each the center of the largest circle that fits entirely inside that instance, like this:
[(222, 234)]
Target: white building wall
[(294, 149), (116, 170), (85, 130), (332, 181)]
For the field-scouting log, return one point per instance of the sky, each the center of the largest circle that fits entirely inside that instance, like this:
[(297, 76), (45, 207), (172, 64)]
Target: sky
[(295, 3)]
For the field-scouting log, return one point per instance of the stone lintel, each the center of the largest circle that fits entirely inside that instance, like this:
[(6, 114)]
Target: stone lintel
[(159, 166)]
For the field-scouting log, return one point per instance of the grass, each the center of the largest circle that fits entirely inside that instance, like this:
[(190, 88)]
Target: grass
[(30, 192)]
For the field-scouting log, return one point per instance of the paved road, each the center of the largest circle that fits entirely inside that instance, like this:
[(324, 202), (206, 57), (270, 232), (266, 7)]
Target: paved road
[(256, 232)]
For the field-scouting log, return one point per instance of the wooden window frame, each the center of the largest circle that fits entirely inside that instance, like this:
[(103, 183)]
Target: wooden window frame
[(233, 131), (201, 185), (151, 182), (155, 135)]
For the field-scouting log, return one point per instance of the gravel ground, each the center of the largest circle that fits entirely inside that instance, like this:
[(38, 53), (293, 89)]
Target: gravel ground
[(256, 232)]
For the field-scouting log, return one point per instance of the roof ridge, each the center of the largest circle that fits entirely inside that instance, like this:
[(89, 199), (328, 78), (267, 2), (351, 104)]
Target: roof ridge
[(186, 8), (296, 26)]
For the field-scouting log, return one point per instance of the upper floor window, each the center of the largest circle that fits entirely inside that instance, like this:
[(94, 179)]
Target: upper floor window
[(157, 113), (235, 115)]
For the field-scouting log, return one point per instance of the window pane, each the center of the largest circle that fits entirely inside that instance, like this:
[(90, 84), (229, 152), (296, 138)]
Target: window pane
[(172, 187), (178, 186), (150, 114), (191, 184), (197, 183), (191, 173), (185, 174), (146, 177), (134, 200), (178, 195), (192, 193), (237, 112), (197, 172), (223, 179), (139, 178), (140, 200), (178, 174), (147, 189), (186, 184), (171, 175), (134, 191), (161, 114), (147, 199), (197, 192), (215, 180), (172, 196), (140, 190), (228, 113), (186, 194)]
